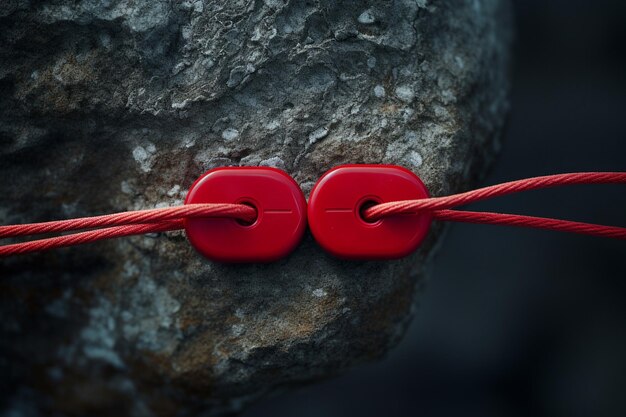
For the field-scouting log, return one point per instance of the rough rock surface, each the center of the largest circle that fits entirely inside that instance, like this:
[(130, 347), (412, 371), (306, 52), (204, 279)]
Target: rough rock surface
[(120, 104)]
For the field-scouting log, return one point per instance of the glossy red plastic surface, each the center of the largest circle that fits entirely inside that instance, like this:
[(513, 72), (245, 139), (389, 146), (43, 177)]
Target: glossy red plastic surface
[(279, 226), (338, 197)]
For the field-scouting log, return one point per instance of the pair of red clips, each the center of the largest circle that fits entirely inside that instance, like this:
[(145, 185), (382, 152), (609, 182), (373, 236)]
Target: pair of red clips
[(334, 213)]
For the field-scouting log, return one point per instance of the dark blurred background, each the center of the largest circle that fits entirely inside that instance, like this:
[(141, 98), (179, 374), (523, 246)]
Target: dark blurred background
[(518, 322)]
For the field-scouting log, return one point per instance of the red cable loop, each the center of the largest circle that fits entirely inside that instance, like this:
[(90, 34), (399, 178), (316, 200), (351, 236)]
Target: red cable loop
[(171, 218), (116, 225), (439, 205)]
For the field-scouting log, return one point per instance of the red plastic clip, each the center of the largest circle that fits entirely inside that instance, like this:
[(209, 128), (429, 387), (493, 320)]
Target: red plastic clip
[(340, 195), (281, 215)]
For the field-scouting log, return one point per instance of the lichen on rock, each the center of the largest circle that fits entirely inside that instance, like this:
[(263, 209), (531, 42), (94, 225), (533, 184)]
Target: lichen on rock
[(121, 105)]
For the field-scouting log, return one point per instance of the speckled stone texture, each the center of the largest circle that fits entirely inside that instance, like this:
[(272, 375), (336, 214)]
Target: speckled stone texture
[(116, 105)]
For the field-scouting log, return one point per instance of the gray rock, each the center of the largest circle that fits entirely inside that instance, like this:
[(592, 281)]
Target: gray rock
[(119, 105)]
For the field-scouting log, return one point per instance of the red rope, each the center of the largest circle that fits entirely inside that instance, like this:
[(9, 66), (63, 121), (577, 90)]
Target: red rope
[(530, 221), (116, 225), (171, 218), (439, 206), (239, 211)]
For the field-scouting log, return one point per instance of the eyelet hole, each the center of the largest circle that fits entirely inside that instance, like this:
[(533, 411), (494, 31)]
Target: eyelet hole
[(248, 223), (364, 206)]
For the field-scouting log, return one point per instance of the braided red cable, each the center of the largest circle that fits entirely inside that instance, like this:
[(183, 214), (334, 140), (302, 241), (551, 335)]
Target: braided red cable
[(116, 225), (88, 237), (530, 221), (171, 218), (239, 211), (439, 205)]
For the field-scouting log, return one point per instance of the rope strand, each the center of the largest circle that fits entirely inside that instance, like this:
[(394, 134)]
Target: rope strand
[(439, 206), (88, 237), (517, 220), (238, 211), (116, 225)]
